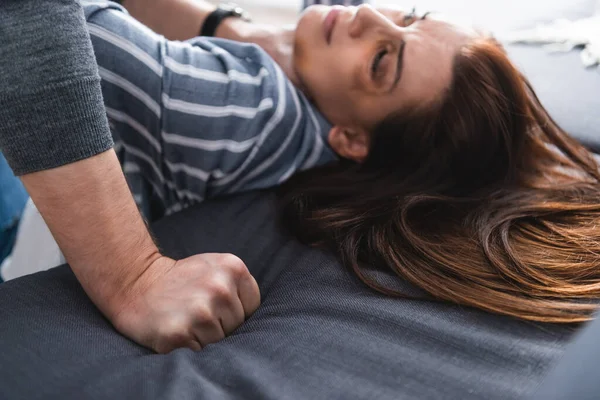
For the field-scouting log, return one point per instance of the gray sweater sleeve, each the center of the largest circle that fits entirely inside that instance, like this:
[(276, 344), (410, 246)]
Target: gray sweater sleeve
[(51, 108)]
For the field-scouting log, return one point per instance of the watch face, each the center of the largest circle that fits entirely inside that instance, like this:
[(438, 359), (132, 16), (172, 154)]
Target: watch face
[(231, 7), (234, 10)]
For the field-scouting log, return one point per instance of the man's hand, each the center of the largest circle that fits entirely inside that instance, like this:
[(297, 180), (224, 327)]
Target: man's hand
[(187, 303)]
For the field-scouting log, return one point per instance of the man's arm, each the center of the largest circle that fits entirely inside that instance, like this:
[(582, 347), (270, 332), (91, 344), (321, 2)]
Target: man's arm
[(54, 132), (92, 216), (159, 302)]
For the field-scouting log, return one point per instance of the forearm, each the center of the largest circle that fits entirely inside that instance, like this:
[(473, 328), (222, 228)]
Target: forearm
[(91, 214), (183, 19), (174, 19)]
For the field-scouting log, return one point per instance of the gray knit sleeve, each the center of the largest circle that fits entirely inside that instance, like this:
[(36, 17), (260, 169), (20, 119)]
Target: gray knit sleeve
[(51, 108)]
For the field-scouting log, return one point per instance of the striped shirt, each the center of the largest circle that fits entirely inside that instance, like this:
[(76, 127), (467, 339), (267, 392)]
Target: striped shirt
[(198, 119)]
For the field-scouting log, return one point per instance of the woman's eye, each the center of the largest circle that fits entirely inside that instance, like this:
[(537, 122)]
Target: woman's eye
[(377, 62)]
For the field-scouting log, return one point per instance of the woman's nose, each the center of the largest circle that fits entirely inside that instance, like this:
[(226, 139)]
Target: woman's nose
[(365, 17)]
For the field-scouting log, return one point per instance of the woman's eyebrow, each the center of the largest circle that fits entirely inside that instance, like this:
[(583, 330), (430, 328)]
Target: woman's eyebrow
[(400, 62)]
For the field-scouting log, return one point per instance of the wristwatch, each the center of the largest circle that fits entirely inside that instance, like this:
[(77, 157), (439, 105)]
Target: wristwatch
[(214, 19)]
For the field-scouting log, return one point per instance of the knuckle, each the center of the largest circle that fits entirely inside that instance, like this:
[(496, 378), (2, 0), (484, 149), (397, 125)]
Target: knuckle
[(172, 334), (221, 292), (202, 313), (162, 347), (170, 327), (230, 259), (235, 265), (207, 325)]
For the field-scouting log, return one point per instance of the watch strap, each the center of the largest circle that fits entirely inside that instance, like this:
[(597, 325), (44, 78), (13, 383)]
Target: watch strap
[(214, 19)]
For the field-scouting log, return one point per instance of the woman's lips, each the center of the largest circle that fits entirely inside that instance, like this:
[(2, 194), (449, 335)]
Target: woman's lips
[(329, 23)]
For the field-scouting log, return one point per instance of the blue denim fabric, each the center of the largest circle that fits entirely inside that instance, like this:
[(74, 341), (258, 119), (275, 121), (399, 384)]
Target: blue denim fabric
[(12, 201)]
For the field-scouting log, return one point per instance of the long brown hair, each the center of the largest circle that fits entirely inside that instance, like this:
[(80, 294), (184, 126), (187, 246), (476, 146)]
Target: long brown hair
[(480, 199)]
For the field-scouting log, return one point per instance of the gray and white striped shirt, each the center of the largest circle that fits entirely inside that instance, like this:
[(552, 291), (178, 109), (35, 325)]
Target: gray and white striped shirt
[(197, 119)]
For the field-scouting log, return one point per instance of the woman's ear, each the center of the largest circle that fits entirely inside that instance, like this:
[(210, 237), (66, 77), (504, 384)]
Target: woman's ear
[(349, 143)]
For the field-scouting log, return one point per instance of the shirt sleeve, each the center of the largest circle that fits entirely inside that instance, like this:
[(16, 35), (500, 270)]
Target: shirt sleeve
[(51, 107)]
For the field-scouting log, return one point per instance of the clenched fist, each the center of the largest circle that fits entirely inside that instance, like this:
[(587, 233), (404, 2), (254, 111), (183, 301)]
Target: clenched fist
[(187, 303)]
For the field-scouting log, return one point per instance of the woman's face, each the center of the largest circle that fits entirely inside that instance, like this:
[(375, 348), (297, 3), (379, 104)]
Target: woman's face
[(359, 65)]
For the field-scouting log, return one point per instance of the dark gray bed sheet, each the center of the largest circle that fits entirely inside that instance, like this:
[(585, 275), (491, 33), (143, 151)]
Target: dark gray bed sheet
[(319, 334)]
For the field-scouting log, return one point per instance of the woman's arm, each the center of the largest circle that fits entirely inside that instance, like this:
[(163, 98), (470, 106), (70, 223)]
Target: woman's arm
[(174, 19), (183, 19)]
